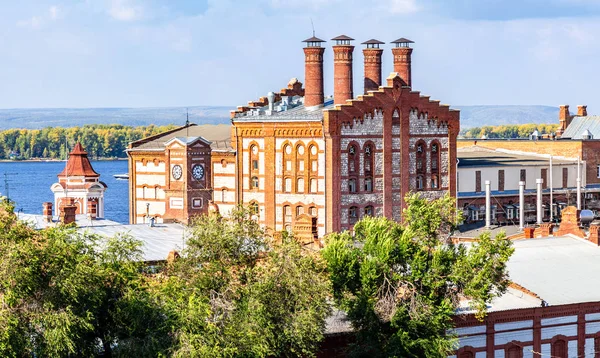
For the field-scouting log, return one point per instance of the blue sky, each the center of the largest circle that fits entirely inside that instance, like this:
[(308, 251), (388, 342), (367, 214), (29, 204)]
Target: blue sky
[(147, 53)]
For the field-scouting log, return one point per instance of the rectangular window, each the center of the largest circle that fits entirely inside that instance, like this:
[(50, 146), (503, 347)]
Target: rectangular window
[(301, 165), (478, 180), (352, 185), (523, 177), (314, 166), (598, 171), (197, 203), (510, 213), (300, 185), (501, 180), (434, 164), (544, 178), (287, 185), (288, 165), (565, 177), (255, 164), (313, 185)]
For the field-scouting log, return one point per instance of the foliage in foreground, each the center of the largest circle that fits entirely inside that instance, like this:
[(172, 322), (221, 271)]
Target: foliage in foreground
[(233, 293), (400, 284), (236, 292)]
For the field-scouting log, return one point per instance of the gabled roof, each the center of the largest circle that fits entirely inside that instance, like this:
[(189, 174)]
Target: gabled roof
[(579, 125), (188, 140), (219, 137), (78, 164)]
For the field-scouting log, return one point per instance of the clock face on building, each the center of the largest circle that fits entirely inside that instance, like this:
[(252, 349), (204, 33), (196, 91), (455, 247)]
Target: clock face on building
[(176, 172), (198, 172)]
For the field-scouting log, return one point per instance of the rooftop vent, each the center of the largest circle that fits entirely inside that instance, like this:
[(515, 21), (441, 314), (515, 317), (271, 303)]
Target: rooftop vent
[(587, 134)]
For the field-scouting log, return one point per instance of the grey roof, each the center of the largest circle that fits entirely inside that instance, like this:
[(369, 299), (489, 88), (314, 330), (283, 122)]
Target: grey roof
[(373, 42), (579, 124), (314, 39), (475, 156), (561, 270), (297, 113), (342, 37), (402, 40), (157, 241), (218, 135)]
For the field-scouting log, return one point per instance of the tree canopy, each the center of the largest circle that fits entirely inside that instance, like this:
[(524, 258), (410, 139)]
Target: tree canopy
[(400, 284), (509, 131)]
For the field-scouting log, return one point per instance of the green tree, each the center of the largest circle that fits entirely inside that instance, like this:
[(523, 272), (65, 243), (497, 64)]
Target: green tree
[(63, 293), (400, 284), (237, 293)]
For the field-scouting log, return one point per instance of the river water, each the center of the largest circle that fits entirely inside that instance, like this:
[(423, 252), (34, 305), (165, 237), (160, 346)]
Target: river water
[(28, 185)]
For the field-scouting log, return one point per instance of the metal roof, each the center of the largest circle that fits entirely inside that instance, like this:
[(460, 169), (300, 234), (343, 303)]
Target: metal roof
[(298, 113), (314, 39), (218, 135), (578, 126), (373, 42), (402, 40), (561, 270), (476, 156), (342, 37)]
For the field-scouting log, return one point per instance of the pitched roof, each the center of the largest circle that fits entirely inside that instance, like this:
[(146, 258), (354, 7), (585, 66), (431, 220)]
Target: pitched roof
[(579, 125), (78, 164), (342, 37), (403, 40), (373, 42), (219, 136), (314, 39)]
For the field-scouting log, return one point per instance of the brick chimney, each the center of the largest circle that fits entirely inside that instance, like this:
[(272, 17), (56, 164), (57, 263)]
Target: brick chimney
[(67, 212), (342, 69), (47, 211), (402, 59), (564, 119), (582, 111), (313, 72), (372, 54)]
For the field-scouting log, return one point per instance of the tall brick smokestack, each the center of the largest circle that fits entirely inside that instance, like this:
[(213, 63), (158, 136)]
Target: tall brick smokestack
[(402, 59), (564, 119), (372, 54), (342, 69), (313, 72)]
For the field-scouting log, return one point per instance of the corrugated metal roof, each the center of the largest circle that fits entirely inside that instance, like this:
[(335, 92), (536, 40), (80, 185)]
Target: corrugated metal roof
[(218, 135), (579, 125), (298, 113), (476, 156)]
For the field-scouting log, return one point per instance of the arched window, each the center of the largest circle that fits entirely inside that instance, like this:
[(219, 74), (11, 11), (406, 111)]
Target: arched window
[(313, 152), (156, 189), (300, 185), (287, 185), (368, 159), (313, 185), (353, 214), (312, 211), (287, 217), (514, 352), (435, 181), (352, 185), (559, 349), (254, 166), (299, 210), (420, 182), (287, 158), (254, 208), (368, 184), (300, 158), (352, 158), (420, 149), (435, 155), (223, 195), (369, 210)]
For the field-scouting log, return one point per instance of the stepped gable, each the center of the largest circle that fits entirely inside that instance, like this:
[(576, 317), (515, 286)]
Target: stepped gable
[(78, 164), (395, 94), (294, 88)]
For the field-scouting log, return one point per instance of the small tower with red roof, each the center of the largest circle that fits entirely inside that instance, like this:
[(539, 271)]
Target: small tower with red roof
[(79, 185)]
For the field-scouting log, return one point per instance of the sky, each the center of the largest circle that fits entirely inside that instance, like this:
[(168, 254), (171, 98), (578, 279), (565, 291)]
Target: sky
[(157, 53)]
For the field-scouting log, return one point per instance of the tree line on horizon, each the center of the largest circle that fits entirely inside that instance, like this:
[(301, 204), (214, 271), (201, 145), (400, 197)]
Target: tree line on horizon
[(237, 291), (99, 140), (509, 131)]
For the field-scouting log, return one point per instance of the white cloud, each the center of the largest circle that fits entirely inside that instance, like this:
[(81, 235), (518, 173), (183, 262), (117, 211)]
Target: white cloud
[(54, 12), (124, 10), (403, 6), (35, 22)]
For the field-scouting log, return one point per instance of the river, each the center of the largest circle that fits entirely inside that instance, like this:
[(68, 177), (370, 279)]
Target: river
[(28, 185)]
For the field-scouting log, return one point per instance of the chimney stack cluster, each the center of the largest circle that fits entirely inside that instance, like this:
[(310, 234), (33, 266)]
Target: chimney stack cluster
[(342, 67)]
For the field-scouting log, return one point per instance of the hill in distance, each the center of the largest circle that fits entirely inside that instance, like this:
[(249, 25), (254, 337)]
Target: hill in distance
[(471, 116)]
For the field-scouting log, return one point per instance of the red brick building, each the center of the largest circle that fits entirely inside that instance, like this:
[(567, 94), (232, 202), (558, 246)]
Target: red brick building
[(316, 164)]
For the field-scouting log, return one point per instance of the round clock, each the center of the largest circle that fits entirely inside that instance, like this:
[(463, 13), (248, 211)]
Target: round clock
[(198, 172), (176, 172)]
